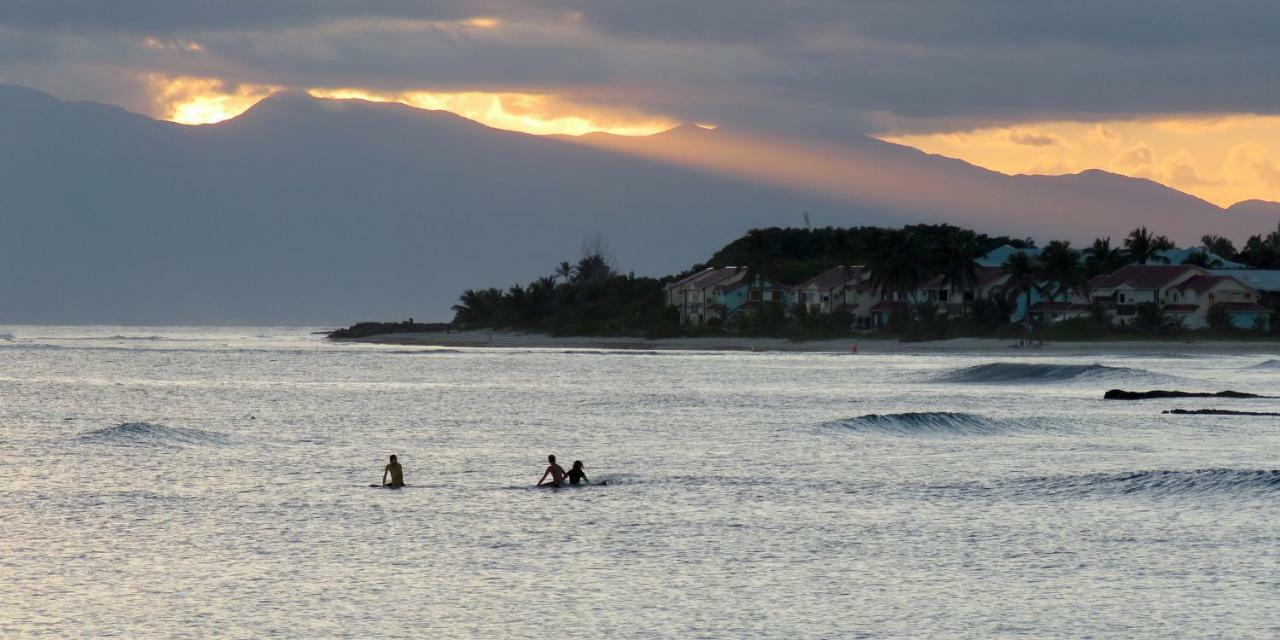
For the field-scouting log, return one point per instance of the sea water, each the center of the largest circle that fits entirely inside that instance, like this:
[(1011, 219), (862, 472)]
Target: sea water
[(215, 483)]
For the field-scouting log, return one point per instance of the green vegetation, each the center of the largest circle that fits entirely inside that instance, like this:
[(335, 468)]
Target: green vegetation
[(590, 298)]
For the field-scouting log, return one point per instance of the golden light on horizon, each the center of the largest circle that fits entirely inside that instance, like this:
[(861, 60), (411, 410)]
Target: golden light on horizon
[(192, 100), (536, 114), (1223, 159)]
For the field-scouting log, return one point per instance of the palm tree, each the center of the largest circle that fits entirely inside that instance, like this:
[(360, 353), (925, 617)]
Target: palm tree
[(565, 270), (761, 261), (1060, 267), (959, 251), (1144, 247), (896, 265), (1024, 277), (1102, 257), (1219, 246)]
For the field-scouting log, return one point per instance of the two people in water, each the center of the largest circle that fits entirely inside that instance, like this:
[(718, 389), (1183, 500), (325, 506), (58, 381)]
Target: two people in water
[(558, 474), (576, 475)]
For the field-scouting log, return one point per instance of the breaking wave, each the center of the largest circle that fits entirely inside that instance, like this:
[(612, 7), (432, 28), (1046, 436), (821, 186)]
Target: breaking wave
[(927, 423), (1268, 365), (1036, 372), (1199, 482), (148, 434)]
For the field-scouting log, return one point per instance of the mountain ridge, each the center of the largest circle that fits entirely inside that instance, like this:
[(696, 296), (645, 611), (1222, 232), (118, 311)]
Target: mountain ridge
[(313, 211)]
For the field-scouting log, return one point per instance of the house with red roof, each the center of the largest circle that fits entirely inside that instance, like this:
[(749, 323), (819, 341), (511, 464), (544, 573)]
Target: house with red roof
[(956, 301), (1186, 292), (715, 294)]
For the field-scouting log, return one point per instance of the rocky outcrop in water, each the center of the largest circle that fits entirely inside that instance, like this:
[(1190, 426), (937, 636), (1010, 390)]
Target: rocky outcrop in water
[(1218, 412), (1121, 394), (366, 329)]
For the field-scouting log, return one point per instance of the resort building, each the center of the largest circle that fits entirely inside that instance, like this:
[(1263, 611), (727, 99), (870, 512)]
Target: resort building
[(1185, 292), (717, 294), (956, 301), (697, 297)]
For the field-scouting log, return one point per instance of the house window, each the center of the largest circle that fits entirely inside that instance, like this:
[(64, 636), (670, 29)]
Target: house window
[(1122, 298), (942, 295), (756, 295), (968, 296)]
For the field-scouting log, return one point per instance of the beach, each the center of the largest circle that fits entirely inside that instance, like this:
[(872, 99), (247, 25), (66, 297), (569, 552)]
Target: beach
[(500, 339)]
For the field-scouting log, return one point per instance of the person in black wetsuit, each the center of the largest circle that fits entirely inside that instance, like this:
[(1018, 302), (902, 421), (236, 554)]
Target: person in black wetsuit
[(576, 473)]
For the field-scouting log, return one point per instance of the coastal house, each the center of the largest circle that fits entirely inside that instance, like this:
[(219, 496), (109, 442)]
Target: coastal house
[(1264, 281), (716, 294), (847, 289), (699, 297), (746, 294), (1186, 292), (956, 301), (830, 290)]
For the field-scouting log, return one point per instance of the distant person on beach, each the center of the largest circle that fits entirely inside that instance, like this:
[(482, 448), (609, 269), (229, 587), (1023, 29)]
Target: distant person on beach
[(554, 470), (576, 474), (397, 474)]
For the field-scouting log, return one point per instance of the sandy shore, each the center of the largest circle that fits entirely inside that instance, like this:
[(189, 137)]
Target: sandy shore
[(957, 345)]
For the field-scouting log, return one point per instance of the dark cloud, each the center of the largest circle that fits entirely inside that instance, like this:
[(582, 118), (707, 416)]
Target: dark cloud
[(804, 65)]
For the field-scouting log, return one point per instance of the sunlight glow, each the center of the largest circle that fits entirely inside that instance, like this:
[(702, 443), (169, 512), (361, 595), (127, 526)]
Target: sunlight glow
[(190, 100), (1222, 158), (195, 100), (524, 112)]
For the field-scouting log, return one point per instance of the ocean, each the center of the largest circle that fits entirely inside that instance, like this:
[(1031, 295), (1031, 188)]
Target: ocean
[(202, 483)]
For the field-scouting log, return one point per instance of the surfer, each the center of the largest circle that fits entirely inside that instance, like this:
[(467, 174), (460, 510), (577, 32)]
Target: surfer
[(397, 474), (554, 470), (576, 474)]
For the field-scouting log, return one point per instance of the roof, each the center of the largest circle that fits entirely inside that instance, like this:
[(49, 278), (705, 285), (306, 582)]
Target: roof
[(1242, 307), (1179, 256), (987, 276), (997, 257), (1260, 279), (1201, 284), (1059, 305), (705, 277), (889, 305), (1143, 276), (833, 278)]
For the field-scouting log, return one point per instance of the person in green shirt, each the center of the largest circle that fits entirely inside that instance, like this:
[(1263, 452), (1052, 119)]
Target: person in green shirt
[(397, 474)]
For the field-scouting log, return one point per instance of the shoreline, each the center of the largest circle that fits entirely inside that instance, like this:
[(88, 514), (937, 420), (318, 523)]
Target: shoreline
[(504, 340)]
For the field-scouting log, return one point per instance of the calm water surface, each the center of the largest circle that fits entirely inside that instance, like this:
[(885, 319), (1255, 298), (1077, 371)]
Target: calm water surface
[(215, 483)]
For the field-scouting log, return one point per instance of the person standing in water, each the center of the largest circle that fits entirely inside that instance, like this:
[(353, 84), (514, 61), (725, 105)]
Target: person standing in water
[(576, 474), (395, 471), (554, 470)]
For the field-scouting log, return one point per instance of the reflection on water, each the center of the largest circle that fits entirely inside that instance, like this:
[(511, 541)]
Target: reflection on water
[(166, 482)]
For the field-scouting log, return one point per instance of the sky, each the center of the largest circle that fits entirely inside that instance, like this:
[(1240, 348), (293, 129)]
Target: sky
[(1183, 92)]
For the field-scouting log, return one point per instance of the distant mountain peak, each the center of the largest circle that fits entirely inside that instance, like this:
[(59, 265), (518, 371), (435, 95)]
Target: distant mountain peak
[(1255, 207)]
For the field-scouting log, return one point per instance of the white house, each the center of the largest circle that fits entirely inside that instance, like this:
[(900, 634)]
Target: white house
[(1184, 291)]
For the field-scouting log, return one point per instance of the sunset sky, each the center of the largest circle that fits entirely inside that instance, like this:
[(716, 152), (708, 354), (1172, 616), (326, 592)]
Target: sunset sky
[(1184, 93)]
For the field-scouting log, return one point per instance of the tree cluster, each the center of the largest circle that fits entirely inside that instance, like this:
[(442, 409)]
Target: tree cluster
[(587, 298)]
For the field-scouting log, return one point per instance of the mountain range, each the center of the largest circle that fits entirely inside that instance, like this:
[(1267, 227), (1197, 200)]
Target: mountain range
[(321, 212)]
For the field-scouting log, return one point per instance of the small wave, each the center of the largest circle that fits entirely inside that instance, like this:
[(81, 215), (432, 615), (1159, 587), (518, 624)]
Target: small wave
[(1268, 365), (1199, 482), (420, 352), (927, 423), (1036, 372), (610, 352), (148, 434)]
